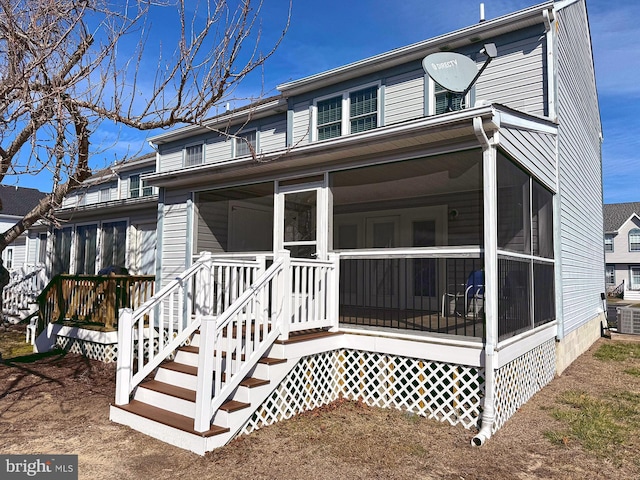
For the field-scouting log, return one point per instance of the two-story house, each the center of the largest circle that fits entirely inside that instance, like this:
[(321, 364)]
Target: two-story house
[(109, 221), (622, 249), (446, 261), (16, 202)]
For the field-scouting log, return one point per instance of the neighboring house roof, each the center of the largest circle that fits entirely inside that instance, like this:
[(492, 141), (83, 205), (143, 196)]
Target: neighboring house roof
[(109, 173), (616, 215), (18, 201)]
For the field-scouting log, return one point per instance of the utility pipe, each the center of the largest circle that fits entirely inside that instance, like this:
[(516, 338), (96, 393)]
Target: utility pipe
[(489, 173)]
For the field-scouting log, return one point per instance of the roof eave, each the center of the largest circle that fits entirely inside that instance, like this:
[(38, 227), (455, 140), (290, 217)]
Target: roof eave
[(419, 50)]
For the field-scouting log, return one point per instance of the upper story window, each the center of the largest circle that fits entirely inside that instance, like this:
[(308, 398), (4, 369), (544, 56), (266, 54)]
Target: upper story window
[(139, 188), (246, 143), (608, 243), (443, 101), (634, 240), (350, 112), (105, 194), (193, 155)]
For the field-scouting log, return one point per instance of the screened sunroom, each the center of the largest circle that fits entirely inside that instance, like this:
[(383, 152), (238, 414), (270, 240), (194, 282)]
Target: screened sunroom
[(409, 236)]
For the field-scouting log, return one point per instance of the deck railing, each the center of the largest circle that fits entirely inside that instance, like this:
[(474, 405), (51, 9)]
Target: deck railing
[(24, 287), (240, 307), (92, 299), (148, 335), (434, 289)]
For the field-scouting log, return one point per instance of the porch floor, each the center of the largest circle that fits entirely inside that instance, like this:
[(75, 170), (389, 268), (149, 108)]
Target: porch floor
[(409, 319)]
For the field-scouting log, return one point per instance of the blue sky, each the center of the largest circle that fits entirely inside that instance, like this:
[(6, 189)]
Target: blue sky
[(331, 33)]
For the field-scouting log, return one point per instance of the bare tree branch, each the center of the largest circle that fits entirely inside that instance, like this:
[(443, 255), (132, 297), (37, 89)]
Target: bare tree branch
[(66, 66)]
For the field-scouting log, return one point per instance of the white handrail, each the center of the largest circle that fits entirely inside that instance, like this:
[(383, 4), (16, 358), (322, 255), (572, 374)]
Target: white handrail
[(148, 335), (27, 284), (222, 349)]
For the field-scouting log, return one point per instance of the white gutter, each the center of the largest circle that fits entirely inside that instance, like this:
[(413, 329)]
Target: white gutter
[(489, 172)]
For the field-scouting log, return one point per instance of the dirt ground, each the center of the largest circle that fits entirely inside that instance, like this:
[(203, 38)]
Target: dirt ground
[(60, 405)]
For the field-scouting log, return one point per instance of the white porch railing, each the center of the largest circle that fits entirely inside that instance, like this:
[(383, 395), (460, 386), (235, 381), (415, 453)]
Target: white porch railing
[(150, 334), (237, 324), (25, 285), (292, 295)]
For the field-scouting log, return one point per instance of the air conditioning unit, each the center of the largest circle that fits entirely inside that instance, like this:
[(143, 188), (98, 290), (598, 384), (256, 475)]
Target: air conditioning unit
[(629, 320)]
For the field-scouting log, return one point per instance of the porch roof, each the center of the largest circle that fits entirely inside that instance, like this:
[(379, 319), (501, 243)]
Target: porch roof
[(424, 136)]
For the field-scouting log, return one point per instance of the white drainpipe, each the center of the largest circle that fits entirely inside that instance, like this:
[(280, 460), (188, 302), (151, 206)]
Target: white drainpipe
[(491, 274)]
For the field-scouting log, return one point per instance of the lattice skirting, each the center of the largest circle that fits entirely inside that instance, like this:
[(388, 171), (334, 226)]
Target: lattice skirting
[(443, 391), (519, 380), (104, 352)]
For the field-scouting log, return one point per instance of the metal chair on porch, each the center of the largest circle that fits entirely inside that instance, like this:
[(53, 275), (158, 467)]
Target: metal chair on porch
[(470, 296)]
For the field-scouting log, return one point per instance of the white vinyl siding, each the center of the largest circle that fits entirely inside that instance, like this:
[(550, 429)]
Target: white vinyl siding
[(174, 234), (523, 88), (581, 265), (536, 152), (404, 97), (273, 136), (170, 158), (301, 118), (217, 149)]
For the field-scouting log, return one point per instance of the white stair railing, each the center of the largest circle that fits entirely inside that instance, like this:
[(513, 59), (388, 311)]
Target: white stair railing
[(151, 333), (25, 285), (291, 295)]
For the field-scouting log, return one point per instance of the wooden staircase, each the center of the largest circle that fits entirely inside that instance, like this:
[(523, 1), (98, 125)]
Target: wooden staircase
[(164, 404)]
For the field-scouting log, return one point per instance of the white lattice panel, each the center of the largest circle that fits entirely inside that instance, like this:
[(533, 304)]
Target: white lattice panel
[(437, 390), (311, 384), (519, 380), (102, 352)]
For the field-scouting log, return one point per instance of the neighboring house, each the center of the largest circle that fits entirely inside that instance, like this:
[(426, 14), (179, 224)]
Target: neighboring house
[(16, 203), (622, 249), (109, 221), (455, 256)]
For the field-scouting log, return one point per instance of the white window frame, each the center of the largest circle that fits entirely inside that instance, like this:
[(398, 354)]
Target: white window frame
[(432, 98), (184, 154), (142, 186), (610, 274), (632, 285), (8, 257), (239, 139), (635, 232), (608, 243), (345, 125)]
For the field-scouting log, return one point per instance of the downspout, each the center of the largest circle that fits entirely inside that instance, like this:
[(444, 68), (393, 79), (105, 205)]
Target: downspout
[(489, 172)]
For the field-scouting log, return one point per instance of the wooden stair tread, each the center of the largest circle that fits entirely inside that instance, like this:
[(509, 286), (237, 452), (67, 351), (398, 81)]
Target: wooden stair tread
[(233, 406), (263, 360), (272, 360), (168, 418), (251, 382), (180, 367), (169, 389), (306, 335)]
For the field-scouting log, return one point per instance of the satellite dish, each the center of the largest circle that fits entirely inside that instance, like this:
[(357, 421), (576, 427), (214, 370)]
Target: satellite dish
[(453, 71)]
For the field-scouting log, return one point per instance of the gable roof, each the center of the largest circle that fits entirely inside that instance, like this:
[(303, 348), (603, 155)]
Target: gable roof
[(18, 201), (616, 214)]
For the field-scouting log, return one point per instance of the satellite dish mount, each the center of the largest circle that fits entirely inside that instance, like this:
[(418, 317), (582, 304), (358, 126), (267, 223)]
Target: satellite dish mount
[(455, 72)]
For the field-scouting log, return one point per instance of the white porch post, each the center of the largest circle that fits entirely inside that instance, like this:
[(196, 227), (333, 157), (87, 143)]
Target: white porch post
[(284, 292), (124, 364), (204, 388), (333, 292)]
